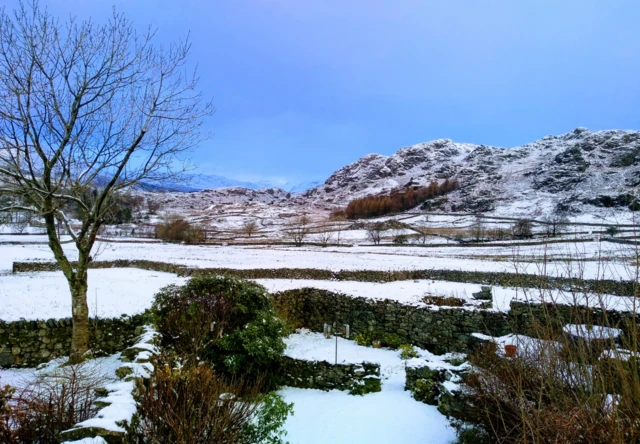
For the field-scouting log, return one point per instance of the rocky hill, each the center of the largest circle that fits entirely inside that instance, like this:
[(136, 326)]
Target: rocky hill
[(581, 171), (203, 200)]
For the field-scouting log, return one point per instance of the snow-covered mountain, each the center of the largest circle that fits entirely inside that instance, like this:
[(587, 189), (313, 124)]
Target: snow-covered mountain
[(199, 182), (574, 172)]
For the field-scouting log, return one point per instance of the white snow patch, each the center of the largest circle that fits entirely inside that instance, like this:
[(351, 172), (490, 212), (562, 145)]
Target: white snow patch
[(112, 292)]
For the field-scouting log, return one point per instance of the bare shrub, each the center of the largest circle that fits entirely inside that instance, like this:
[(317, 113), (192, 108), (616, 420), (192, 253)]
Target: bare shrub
[(41, 408), (580, 385), (556, 223), (522, 229), (325, 235), (375, 232), (443, 301), (152, 206), (298, 230), (194, 405), (177, 229), (6, 394)]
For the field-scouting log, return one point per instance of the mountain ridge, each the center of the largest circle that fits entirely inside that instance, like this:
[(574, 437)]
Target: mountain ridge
[(555, 173)]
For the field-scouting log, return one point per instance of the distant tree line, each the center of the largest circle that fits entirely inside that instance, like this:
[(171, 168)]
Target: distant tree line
[(397, 200)]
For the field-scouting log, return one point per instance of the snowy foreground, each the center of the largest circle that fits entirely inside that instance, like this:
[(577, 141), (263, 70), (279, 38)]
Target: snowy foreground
[(390, 416)]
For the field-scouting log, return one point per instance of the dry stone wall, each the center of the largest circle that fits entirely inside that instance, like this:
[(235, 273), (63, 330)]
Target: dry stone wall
[(359, 379), (438, 329), (29, 343)]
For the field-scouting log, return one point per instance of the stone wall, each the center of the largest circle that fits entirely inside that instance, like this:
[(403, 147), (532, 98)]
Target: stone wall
[(359, 379), (29, 343), (529, 318), (439, 329)]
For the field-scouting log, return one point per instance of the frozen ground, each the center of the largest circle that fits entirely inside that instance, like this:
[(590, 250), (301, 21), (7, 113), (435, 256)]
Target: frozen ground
[(390, 416), (112, 292)]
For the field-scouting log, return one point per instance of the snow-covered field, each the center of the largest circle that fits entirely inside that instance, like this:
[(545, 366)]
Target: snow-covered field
[(112, 292), (505, 259), (389, 416)]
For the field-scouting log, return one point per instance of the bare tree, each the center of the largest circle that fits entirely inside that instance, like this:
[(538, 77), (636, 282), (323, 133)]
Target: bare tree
[(87, 111), (249, 227), (375, 232), (522, 229), (325, 235), (298, 230), (338, 218), (556, 224)]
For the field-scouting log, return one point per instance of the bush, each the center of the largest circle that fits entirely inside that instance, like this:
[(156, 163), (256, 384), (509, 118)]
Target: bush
[(612, 230), (522, 229), (6, 393), (180, 230), (194, 405), (400, 239), (229, 322), (442, 301), (407, 351), (363, 340), (41, 408), (391, 340), (554, 391)]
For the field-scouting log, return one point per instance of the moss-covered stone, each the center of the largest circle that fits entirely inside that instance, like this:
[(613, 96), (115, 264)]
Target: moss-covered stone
[(123, 372)]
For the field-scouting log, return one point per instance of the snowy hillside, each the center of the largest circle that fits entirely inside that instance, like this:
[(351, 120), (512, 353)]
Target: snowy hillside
[(577, 172)]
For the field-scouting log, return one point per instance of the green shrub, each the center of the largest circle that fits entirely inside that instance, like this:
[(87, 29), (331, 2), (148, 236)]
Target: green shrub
[(407, 351), (392, 340), (226, 321), (472, 435), (362, 339)]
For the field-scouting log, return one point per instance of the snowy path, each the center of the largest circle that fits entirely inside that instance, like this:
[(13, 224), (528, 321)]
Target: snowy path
[(390, 416)]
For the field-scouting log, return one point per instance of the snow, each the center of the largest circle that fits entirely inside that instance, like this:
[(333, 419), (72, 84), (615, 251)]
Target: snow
[(102, 367), (412, 292), (406, 292), (96, 440), (500, 259), (112, 292), (377, 418), (391, 415), (122, 405), (592, 332)]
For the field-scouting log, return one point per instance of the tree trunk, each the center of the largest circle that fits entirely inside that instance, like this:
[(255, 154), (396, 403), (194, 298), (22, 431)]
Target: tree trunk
[(80, 310), (77, 280)]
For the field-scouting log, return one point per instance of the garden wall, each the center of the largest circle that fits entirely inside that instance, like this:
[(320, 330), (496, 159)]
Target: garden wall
[(439, 329), (359, 379), (29, 343)]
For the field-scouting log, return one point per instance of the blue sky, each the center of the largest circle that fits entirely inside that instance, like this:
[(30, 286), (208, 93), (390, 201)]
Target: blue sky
[(303, 87)]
